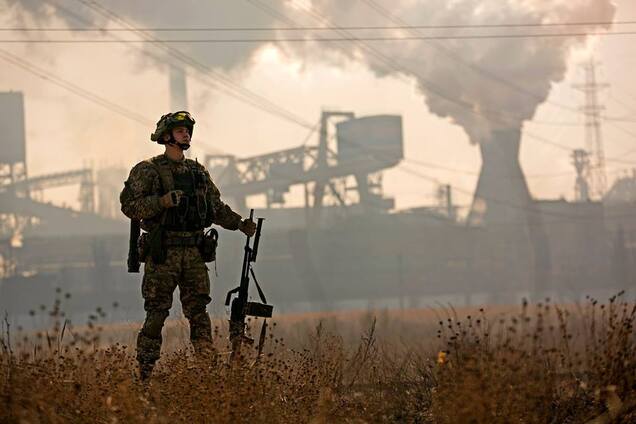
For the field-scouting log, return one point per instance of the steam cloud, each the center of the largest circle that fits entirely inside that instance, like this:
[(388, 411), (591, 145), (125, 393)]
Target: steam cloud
[(159, 14), (493, 83)]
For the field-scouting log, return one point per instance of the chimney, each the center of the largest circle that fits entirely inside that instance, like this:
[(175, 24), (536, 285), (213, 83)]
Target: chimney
[(502, 203), (178, 93), (178, 90), (502, 195)]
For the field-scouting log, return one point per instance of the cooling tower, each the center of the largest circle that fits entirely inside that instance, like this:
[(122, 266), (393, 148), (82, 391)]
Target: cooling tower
[(502, 204), (502, 195)]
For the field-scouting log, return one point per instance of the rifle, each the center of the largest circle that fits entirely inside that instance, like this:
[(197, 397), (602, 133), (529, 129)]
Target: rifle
[(241, 307), (133, 253)]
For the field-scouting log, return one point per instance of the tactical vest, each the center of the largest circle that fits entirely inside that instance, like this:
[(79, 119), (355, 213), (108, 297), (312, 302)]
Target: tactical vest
[(193, 213)]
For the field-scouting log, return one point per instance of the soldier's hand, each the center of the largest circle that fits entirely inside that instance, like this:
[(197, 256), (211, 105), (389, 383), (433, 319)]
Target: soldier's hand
[(171, 198), (248, 227)]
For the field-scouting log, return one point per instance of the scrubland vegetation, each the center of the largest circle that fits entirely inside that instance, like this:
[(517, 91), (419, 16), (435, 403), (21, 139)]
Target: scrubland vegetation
[(538, 363)]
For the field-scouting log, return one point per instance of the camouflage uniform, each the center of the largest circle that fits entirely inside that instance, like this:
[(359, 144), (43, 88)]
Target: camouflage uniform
[(183, 266)]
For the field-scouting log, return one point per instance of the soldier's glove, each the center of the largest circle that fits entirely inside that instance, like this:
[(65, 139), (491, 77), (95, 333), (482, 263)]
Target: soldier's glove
[(248, 227), (171, 198)]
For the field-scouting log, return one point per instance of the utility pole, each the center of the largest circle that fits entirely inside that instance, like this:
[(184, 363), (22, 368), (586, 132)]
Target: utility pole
[(445, 199), (593, 136), (581, 162)]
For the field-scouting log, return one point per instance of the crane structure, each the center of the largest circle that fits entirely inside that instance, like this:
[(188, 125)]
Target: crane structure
[(35, 185), (358, 151)]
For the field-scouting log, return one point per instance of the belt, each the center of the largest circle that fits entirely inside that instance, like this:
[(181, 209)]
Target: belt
[(183, 238)]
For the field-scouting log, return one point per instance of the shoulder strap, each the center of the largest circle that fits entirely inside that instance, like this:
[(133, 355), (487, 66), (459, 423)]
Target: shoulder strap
[(162, 166)]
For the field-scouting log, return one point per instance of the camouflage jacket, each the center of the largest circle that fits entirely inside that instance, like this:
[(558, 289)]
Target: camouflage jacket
[(140, 197)]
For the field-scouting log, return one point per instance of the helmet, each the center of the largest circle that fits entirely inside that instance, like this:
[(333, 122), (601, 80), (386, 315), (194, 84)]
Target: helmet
[(169, 121)]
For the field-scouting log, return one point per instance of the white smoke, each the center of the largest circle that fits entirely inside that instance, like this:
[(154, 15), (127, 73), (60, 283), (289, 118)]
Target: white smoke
[(157, 14), (481, 85)]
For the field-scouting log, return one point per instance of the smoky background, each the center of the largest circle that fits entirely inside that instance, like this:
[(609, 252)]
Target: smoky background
[(466, 225)]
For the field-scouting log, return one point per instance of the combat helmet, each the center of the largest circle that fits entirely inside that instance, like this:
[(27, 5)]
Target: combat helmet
[(168, 121)]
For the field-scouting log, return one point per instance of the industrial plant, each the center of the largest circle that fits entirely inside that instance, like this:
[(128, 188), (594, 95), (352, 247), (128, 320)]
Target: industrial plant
[(346, 246)]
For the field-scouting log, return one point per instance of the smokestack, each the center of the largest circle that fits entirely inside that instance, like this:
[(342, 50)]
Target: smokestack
[(178, 89), (502, 203), (178, 93), (502, 195)]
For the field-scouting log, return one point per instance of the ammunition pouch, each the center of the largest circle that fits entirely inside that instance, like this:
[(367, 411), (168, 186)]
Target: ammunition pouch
[(156, 245), (208, 246)]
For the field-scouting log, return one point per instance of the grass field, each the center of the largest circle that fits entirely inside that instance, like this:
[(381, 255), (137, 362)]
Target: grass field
[(538, 363)]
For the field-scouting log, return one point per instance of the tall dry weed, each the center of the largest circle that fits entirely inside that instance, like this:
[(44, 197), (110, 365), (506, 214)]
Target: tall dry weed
[(543, 363)]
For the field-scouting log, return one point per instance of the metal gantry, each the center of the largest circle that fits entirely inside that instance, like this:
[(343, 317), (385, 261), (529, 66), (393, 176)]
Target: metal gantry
[(325, 170)]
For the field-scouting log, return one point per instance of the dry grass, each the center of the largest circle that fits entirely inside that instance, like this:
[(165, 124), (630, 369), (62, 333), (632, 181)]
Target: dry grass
[(534, 364)]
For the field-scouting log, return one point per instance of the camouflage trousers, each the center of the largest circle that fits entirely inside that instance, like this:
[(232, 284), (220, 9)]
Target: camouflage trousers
[(185, 269)]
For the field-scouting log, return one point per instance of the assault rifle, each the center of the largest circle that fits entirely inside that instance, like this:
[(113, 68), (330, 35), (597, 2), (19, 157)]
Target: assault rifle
[(241, 306), (133, 253)]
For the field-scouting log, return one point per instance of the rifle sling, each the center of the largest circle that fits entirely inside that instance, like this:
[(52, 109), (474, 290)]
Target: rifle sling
[(258, 287)]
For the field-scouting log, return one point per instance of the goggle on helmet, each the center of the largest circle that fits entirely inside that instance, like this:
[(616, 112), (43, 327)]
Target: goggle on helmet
[(169, 121)]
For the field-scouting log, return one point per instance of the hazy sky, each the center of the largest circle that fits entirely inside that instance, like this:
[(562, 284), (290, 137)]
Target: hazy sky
[(65, 131)]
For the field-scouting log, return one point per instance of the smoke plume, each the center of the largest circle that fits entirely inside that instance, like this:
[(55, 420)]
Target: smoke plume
[(158, 14), (480, 84)]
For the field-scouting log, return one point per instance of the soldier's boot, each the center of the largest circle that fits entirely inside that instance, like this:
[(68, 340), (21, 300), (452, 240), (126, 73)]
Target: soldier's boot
[(148, 350), (201, 335), (149, 342), (145, 371)]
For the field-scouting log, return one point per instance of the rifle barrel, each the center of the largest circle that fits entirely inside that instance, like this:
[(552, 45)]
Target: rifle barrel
[(257, 238)]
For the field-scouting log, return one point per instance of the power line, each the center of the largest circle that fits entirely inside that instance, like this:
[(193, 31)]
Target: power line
[(432, 165), (449, 53), (577, 124), (220, 81), (79, 91), (311, 127), (274, 13), (404, 26), (115, 108), (524, 207), (399, 68), (431, 87), (481, 71), (627, 107), (93, 97), (132, 115), (321, 40), (316, 28), (390, 64)]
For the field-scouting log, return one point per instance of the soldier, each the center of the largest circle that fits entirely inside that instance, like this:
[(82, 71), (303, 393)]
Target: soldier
[(175, 200)]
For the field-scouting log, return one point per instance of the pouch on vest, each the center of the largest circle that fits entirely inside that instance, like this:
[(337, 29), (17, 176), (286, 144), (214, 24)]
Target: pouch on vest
[(156, 248), (209, 244)]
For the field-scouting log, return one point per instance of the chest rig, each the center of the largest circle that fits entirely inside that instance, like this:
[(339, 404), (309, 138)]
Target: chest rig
[(193, 213)]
